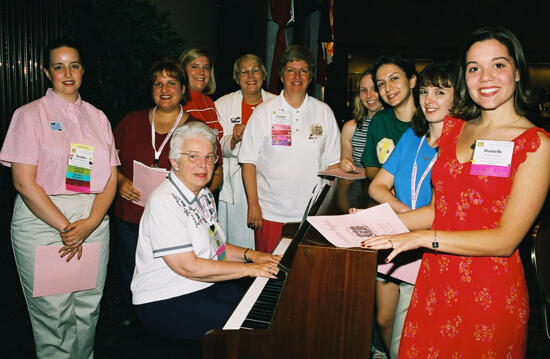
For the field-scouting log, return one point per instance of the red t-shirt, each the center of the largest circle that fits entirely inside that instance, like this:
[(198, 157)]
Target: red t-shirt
[(246, 111), (202, 107)]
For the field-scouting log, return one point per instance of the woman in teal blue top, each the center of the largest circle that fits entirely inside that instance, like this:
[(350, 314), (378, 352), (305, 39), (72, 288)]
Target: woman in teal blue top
[(408, 170)]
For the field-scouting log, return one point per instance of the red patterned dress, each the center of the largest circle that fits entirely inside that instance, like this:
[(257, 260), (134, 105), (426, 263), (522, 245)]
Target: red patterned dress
[(469, 307)]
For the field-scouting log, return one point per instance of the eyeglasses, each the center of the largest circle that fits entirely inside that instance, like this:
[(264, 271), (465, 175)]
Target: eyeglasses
[(196, 157), (253, 71)]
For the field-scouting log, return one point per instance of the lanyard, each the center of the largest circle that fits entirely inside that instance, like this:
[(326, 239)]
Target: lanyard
[(157, 153), (416, 189)]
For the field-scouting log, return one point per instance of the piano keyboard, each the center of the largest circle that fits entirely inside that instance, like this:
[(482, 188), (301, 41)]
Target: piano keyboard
[(256, 308)]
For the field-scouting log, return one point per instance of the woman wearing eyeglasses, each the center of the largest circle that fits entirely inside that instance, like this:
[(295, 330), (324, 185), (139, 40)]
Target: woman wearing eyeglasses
[(287, 141), (144, 136), (182, 285), (235, 109)]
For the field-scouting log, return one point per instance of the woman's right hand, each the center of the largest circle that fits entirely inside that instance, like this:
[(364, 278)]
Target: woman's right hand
[(347, 165), (265, 269), (254, 216), (127, 190)]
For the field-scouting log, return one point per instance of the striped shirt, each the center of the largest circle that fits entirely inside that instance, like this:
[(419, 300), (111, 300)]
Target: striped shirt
[(358, 141)]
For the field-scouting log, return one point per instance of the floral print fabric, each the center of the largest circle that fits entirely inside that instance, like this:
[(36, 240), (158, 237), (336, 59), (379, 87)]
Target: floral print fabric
[(469, 307)]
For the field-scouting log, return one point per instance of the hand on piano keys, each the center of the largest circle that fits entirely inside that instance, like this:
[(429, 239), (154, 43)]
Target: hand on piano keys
[(261, 264)]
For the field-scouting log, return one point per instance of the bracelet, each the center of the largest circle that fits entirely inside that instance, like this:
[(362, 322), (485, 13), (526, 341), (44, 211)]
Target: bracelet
[(245, 257), (435, 242)]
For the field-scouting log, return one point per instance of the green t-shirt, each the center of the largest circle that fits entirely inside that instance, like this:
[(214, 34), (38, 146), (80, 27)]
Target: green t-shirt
[(384, 132)]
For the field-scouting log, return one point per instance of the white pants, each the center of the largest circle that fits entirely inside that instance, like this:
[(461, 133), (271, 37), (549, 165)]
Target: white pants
[(64, 324)]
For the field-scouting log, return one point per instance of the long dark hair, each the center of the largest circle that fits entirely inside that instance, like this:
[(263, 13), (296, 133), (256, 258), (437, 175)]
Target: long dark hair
[(464, 106), (437, 74), (403, 63)]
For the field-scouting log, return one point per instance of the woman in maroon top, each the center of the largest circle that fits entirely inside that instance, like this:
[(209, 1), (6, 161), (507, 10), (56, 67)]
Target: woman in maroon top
[(135, 142)]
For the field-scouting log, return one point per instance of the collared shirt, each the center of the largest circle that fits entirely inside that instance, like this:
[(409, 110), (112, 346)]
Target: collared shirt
[(286, 175), (174, 221), (41, 133)]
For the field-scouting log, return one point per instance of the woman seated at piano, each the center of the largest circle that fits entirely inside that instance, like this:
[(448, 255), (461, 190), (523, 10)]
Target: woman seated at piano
[(184, 280)]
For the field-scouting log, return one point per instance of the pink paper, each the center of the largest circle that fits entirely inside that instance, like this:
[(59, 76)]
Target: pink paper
[(340, 173), (403, 267), (490, 170), (350, 230), (53, 275), (146, 180)]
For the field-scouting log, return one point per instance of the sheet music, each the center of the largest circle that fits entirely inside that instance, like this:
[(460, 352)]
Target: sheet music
[(349, 230)]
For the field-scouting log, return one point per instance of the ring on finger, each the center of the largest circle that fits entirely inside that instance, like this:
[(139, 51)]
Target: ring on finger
[(391, 243)]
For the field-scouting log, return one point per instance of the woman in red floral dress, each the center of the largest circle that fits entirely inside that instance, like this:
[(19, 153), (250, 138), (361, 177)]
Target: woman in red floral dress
[(470, 299)]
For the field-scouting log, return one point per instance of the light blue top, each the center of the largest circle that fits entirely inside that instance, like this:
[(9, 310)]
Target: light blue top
[(400, 165)]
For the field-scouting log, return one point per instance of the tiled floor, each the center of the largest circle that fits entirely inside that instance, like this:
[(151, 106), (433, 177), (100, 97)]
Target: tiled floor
[(112, 341)]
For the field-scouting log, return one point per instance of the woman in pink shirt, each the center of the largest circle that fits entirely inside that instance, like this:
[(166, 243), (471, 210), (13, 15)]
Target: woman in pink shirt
[(63, 159)]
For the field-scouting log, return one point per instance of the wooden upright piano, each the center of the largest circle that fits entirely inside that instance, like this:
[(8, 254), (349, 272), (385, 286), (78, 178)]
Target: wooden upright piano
[(322, 305)]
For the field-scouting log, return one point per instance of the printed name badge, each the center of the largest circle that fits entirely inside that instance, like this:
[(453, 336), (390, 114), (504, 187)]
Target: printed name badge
[(79, 167), (217, 241), (492, 158), (281, 130)]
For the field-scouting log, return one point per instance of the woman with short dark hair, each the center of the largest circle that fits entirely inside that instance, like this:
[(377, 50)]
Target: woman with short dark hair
[(61, 201), (287, 141), (144, 136), (404, 180)]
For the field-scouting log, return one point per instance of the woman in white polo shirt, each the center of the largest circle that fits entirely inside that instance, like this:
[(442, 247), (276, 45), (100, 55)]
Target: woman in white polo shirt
[(182, 284), (287, 141)]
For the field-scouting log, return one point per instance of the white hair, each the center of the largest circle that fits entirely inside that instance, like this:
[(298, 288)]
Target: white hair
[(190, 130)]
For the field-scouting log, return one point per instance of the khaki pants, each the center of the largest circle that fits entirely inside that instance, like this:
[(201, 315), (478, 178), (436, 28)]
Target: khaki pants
[(63, 325)]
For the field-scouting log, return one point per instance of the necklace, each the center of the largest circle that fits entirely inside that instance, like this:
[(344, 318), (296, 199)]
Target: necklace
[(496, 130)]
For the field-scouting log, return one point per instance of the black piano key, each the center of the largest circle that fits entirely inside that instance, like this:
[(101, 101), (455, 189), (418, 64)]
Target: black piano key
[(254, 324), (261, 313)]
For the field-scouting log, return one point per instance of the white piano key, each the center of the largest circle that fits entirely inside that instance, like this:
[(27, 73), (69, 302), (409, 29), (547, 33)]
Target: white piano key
[(240, 313)]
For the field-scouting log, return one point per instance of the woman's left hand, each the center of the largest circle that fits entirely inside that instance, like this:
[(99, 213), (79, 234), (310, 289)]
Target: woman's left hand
[(347, 165), (76, 233), (238, 131), (398, 242)]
